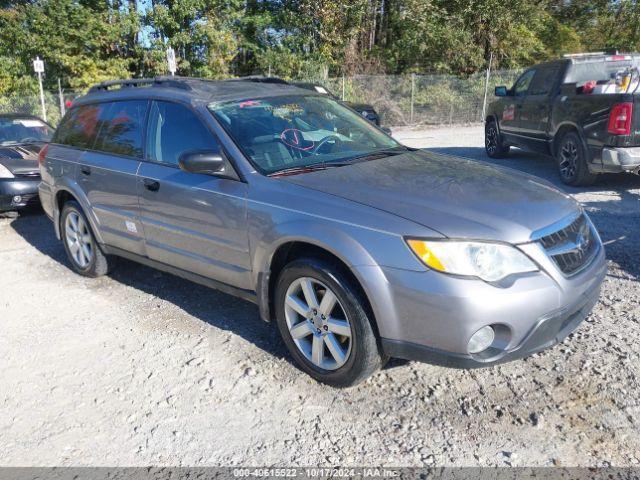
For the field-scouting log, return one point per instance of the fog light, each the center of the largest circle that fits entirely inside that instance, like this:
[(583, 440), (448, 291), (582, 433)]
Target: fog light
[(17, 199), (481, 340)]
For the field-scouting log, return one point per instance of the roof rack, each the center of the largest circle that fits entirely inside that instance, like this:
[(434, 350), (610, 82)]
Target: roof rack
[(171, 82), (259, 79)]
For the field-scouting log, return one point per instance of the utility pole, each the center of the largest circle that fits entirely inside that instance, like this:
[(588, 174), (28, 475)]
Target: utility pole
[(486, 88), (62, 109), (38, 67), (413, 94), (171, 60)]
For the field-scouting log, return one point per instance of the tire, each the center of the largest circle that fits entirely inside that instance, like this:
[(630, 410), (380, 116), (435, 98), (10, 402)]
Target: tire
[(493, 144), (360, 357), (571, 158), (85, 255)]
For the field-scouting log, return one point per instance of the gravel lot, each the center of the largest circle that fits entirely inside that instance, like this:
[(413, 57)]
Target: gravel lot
[(142, 368)]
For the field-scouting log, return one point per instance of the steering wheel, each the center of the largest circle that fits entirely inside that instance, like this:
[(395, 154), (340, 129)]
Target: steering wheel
[(323, 142), (29, 140)]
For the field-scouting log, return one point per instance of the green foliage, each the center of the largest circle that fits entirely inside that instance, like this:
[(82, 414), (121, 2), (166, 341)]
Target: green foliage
[(86, 41)]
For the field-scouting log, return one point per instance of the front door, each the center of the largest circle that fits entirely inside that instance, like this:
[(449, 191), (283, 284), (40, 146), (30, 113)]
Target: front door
[(191, 221), (510, 120), (535, 108)]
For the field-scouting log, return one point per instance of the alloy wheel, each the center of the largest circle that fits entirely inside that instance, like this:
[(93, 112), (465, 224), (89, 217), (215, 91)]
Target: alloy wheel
[(569, 159), (491, 139), (78, 239), (317, 323)]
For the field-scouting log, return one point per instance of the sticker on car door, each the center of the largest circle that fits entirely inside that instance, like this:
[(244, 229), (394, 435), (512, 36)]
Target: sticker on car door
[(131, 226), (509, 113)]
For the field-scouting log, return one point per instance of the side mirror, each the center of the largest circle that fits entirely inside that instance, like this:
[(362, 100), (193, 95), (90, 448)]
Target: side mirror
[(202, 161), (501, 91), (386, 130)]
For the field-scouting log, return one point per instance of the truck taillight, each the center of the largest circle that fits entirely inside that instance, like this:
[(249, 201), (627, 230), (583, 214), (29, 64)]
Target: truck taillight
[(620, 119), (43, 153)]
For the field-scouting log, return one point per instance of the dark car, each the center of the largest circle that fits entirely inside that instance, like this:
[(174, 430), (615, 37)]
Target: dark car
[(364, 109), (579, 109), (21, 138)]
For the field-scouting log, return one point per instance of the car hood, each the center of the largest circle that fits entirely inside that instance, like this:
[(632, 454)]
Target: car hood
[(21, 159), (457, 197)]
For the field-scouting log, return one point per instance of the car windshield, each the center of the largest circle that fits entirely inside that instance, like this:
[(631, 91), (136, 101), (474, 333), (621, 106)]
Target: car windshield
[(23, 130), (297, 131)]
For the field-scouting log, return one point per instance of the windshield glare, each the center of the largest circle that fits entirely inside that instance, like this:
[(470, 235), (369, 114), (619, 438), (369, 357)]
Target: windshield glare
[(283, 132), (23, 130)]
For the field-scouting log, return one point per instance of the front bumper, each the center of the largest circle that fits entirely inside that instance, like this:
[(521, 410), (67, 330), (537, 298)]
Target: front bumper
[(18, 193), (621, 159), (431, 316)]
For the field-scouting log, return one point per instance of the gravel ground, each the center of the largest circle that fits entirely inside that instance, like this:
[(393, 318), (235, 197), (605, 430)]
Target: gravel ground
[(142, 368)]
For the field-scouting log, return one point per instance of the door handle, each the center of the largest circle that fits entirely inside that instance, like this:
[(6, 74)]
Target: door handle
[(85, 170), (152, 185)]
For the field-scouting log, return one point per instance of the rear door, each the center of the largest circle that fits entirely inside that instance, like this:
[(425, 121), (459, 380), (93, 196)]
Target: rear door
[(192, 221), (535, 107), (107, 170)]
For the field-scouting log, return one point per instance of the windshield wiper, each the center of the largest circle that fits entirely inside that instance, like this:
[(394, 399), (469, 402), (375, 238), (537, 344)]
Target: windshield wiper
[(389, 152), (342, 162), (306, 168)]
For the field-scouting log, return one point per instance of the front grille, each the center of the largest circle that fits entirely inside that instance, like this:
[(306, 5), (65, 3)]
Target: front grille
[(572, 247)]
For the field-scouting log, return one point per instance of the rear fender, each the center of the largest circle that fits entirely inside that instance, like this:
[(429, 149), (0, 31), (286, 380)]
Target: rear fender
[(72, 188)]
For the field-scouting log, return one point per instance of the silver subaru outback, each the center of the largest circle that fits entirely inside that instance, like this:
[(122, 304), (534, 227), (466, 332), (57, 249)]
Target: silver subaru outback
[(359, 248)]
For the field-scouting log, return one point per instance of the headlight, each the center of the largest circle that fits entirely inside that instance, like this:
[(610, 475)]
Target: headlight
[(488, 261), (5, 173)]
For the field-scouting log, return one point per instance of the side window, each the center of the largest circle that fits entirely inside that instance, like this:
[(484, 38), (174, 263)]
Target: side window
[(543, 81), (522, 85), (78, 128), (173, 130), (121, 126)]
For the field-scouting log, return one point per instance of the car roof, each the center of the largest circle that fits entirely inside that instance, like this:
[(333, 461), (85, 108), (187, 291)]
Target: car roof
[(188, 88)]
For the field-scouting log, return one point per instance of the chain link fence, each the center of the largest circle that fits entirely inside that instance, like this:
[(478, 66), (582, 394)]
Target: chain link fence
[(55, 104), (418, 100), (401, 100)]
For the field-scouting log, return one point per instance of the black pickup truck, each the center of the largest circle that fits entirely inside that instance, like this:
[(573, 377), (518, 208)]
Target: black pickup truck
[(579, 109)]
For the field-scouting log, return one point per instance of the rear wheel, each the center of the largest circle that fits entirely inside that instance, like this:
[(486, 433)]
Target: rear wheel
[(572, 161), (324, 323), (493, 144), (83, 251)]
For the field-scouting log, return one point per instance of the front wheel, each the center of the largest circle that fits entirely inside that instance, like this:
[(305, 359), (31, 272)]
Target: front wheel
[(493, 143), (323, 320), (572, 162)]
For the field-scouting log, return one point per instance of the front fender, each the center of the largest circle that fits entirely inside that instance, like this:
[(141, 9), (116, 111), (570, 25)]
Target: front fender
[(334, 240)]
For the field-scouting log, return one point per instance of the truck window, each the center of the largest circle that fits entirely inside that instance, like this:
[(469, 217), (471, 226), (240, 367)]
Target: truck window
[(543, 81), (522, 84)]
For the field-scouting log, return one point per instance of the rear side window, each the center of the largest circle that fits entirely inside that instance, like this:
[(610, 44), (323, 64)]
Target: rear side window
[(173, 130), (121, 126), (79, 127), (544, 81)]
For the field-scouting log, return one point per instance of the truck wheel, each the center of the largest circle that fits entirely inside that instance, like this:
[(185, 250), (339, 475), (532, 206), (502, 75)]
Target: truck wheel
[(572, 161), (492, 142), (324, 323), (83, 251)]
